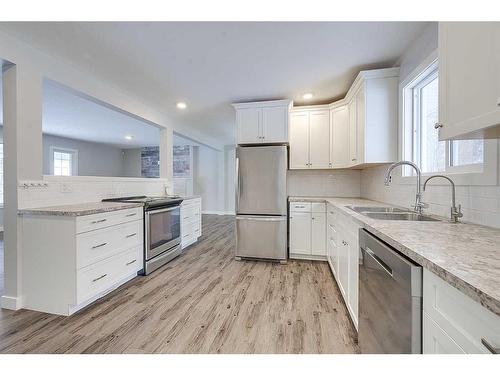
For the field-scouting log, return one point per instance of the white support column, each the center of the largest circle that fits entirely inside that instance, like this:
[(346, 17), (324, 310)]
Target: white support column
[(22, 117), (167, 154)]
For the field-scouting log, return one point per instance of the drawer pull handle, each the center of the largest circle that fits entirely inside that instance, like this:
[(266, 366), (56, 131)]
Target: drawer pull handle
[(131, 235), (100, 277), (186, 235), (300, 206), (186, 217), (490, 347), (129, 215), (100, 245), (132, 261), (99, 221)]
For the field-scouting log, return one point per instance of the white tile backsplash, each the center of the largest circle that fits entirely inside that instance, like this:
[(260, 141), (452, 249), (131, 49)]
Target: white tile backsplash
[(86, 189), (480, 204), (309, 183)]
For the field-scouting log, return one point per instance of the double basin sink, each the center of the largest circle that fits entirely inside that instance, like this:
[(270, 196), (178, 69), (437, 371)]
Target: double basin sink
[(390, 213)]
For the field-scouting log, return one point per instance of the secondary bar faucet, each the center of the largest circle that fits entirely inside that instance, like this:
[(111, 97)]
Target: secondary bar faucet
[(419, 205), (456, 214)]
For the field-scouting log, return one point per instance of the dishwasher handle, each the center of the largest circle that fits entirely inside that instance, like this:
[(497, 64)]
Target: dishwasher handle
[(379, 261)]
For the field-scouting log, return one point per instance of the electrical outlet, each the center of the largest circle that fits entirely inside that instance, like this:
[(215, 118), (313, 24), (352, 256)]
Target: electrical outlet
[(66, 188)]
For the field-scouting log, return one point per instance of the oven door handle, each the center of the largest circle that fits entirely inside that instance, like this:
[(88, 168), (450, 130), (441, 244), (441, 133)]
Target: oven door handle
[(153, 211)]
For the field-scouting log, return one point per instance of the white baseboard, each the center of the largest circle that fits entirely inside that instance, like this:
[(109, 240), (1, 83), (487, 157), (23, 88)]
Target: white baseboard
[(217, 213), (11, 303)]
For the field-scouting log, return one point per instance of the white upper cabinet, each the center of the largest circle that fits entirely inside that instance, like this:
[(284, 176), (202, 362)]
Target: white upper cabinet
[(360, 129), (275, 124), (262, 122), (310, 139), (469, 80), (373, 108), (299, 136), (319, 139), (248, 122), (339, 137)]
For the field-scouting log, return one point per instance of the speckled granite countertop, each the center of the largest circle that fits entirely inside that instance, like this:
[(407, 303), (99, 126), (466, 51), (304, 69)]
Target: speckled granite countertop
[(79, 209), (467, 256)]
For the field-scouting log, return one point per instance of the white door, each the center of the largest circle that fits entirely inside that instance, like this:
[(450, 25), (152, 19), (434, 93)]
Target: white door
[(275, 124), (319, 139), (353, 133), (299, 140), (469, 76), (300, 232), (339, 150), (318, 233), (249, 128)]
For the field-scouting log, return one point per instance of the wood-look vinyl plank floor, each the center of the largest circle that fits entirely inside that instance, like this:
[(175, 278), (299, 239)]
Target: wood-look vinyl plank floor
[(202, 302)]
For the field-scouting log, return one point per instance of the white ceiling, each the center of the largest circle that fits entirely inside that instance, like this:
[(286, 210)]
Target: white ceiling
[(211, 64)]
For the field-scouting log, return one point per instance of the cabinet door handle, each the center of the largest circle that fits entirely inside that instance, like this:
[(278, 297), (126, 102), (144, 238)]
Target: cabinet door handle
[(490, 347), (129, 215), (438, 125), (100, 277), (353, 159), (99, 221), (131, 235), (100, 245), (132, 261)]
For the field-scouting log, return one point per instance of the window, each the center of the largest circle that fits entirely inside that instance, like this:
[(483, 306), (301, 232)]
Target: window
[(64, 162), (421, 143), (1, 174)]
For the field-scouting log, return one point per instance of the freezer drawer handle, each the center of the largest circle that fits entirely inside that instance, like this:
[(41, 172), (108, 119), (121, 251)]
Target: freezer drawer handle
[(262, 218), (379, 261)]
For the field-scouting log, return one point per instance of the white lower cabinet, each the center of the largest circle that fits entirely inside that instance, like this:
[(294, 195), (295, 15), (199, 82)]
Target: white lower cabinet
[(69, 262), (343, 257), (454, 323), (190, 221), (307, 223)]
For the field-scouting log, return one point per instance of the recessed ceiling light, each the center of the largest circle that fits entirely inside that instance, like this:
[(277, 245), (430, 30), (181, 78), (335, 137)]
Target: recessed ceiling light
[(128, 137), (307, 95), (181, 105)]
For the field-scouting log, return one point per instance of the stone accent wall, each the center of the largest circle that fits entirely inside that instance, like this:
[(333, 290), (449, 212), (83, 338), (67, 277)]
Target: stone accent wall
[(150, 158)]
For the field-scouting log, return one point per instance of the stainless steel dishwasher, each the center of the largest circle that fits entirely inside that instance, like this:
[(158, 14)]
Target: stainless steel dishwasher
[(390, 299)]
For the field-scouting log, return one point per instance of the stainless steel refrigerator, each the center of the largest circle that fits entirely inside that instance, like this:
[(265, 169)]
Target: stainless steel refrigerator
[(261, 202)]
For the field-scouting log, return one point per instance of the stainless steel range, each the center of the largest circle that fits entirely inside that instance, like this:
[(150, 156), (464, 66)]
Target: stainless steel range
[(162, 229)]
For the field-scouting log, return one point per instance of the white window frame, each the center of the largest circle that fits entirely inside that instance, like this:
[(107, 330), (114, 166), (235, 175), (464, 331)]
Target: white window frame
[(473, 174), (74, 159)]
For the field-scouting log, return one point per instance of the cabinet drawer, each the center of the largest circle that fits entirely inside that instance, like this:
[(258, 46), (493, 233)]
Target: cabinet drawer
[(436, 341), (107, 219), (94, 246), (300, 206), (318, 207), (95, 279), (463, 319)]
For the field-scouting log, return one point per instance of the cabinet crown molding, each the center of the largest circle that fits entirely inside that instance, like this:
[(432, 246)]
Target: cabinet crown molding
[(265, 103)]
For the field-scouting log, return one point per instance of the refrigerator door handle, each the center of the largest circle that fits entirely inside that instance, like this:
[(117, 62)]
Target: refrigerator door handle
[(237, 183)]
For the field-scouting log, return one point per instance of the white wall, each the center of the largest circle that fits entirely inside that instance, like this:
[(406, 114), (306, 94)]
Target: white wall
[(480, 204), (208, 178), (94, 159)]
